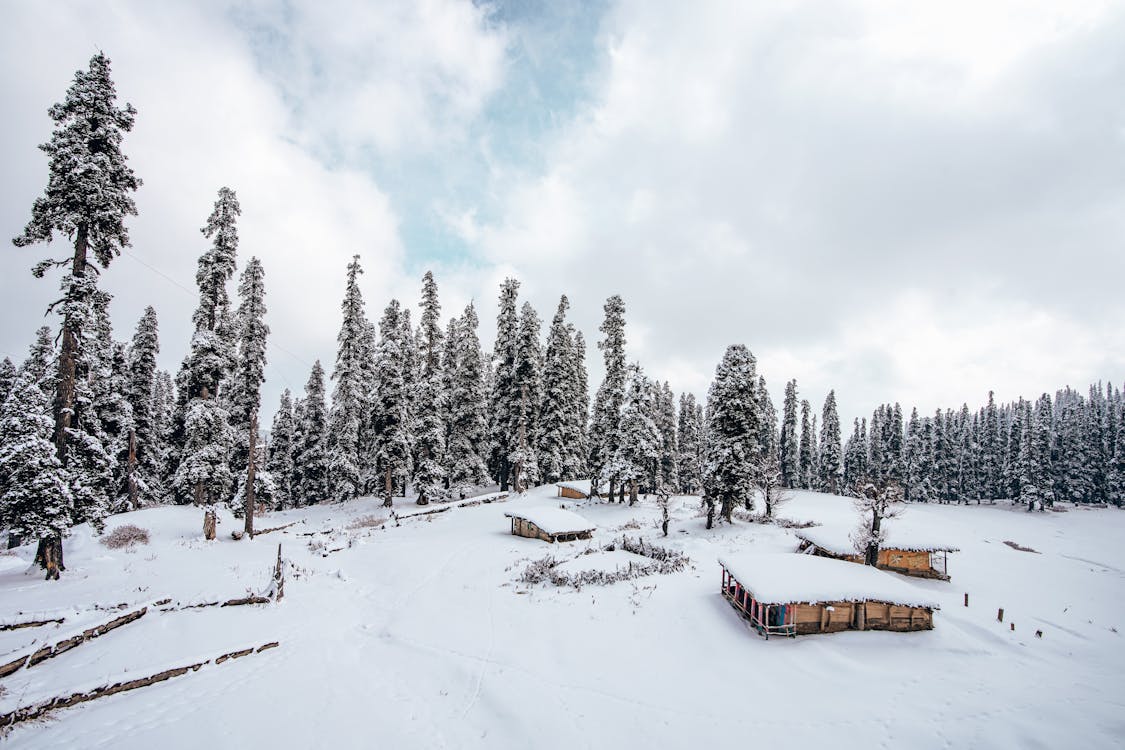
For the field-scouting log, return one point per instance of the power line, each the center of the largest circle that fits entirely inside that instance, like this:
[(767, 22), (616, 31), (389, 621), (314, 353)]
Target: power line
[(191, 292)]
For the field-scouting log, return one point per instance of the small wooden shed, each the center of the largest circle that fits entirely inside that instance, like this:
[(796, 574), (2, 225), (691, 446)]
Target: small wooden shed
[(787, 594), (550, 525), (903, 552), (577, 490)]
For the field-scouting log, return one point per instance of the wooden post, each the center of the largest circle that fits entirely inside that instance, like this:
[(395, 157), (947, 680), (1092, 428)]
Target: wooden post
[(862, 616), (209, 521), (1000, 615), (966, 598), (279, 577), (1013, 626)]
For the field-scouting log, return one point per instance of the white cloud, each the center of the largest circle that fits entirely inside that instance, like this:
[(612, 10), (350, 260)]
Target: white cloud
[(782, 175)]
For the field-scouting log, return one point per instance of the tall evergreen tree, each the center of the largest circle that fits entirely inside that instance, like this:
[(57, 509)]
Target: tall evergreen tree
[(204, 473), (559, 392), (732, 441), (638, 449), (391, 423), (88, 196), (250, 359), (145, 464), (468, 433), (689, 436), (806, 462), (528, 384), (831, 460), (310, 458), (665, 408), (279, 461), (577, 455), (35, 499), (789, 449), (610, 396), (346, 413), (504, 397), (429, 428), (8, 375)]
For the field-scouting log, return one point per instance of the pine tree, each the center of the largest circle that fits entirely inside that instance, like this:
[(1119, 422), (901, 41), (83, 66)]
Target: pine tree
[(250, 359), (279, 461), (35, 500), (204, 473), (575, 461), (689, 435), (638, 449), (346, 413), (666, 425), (310, 457), (528, 384), (87, 198), (732, 448), (391, 423), (789, 453), (875, 446), (805, 460), (1115, 482), (991, 461), (504, 398), (40, 363), (8, 375), (468, 425), (853, 464), (145, 461), (831, 461), (559, 392), (610, 396), (429, 428)]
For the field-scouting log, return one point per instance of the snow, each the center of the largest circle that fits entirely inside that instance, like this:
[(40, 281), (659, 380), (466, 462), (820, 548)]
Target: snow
[(778, 578), (554, 520), (603, 562), (422, 635), (835, 538), (579, 485)]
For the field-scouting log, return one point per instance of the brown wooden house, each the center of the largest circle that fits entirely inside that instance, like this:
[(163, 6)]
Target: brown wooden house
[(550, 525), (904, 553), (574, 490), (788, 594)]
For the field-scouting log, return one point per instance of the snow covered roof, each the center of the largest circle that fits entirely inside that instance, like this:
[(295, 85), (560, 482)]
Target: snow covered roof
[(580, 485), (780, 578), (554, 520), (834, 538)]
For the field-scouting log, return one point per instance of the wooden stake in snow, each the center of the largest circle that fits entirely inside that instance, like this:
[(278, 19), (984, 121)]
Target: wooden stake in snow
[(966, 598), (1000, 615)]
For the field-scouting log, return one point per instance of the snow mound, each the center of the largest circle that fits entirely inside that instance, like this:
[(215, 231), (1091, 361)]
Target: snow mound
[(779, 578)]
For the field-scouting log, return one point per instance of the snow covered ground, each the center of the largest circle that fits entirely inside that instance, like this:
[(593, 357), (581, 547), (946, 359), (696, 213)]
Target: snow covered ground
[(420, 635)]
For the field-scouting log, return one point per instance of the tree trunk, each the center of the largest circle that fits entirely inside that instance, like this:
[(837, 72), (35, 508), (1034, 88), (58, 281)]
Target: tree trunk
[(131, 469), (68, 354), (633, 492), (204, 394), (503, 474), (388, 488), (209, 521), (249, 499), (612, 490), (873, 545)]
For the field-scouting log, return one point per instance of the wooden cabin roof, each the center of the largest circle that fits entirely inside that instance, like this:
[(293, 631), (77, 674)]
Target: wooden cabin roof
[(836, 539), (781, 578), (554, 520)]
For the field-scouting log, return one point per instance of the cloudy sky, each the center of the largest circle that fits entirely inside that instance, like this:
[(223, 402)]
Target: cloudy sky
[(902, 201)]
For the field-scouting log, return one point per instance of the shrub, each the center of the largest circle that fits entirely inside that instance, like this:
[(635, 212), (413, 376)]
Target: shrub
[(125, 536)]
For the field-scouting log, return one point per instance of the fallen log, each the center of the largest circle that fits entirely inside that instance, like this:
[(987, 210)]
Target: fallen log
[(35, 710), (32, 624), (275, 528), (50, 652), (246, 600)]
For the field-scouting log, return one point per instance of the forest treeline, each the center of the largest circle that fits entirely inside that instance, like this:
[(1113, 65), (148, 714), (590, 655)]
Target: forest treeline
[(90, 425)]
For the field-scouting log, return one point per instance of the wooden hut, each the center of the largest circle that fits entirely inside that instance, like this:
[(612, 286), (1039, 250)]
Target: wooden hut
[(903, 551), (787, 594), (550, 525), (579, 490)]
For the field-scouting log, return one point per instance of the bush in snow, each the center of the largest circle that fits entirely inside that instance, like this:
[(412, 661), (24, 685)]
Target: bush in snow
[(660, 561), (126, 536)]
